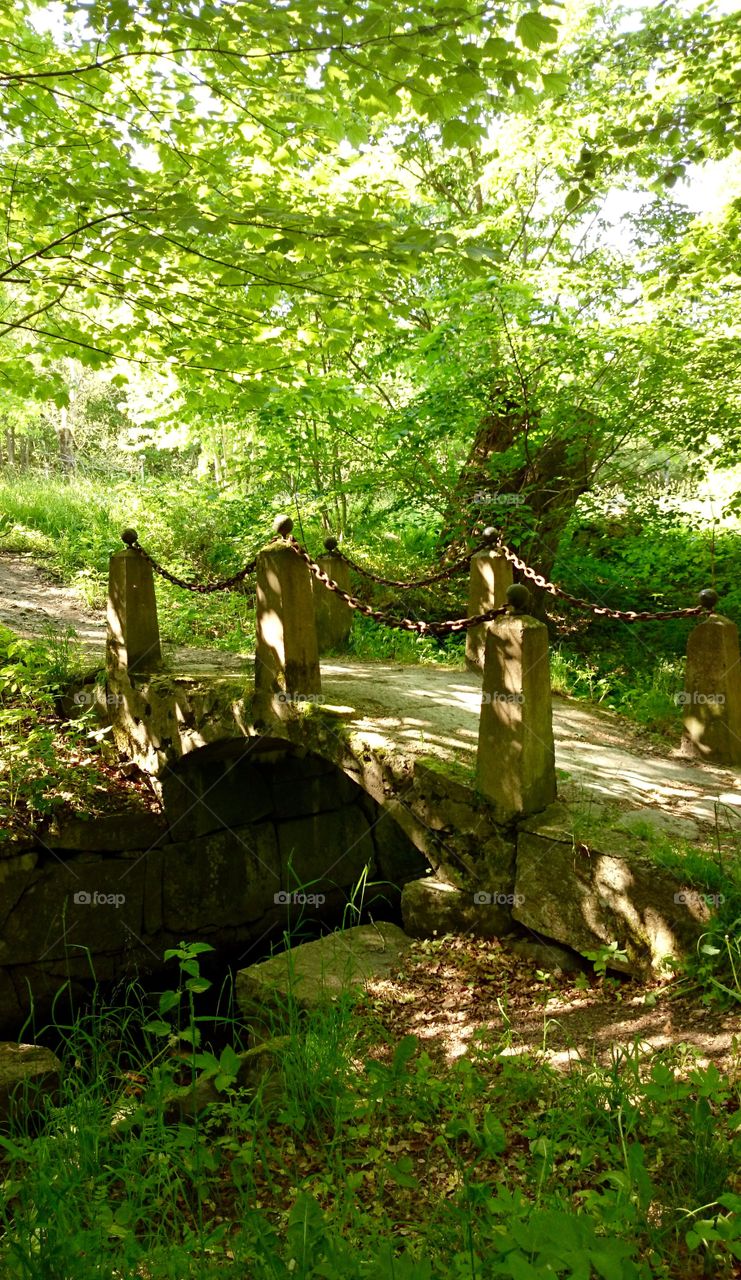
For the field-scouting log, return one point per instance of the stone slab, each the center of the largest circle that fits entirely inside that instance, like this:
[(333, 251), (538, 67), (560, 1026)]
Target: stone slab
[(588, 894), (325, 851), (110, 833), (229, 879), (27, 1074), (204, 794), (321, 971), (431, 908), (87, 902)]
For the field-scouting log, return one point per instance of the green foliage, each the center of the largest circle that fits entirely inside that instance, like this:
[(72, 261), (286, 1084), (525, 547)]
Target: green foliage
[(371, 640), (624, 1171), (45, 763), (716, 965), (644, 558), (603, 956)]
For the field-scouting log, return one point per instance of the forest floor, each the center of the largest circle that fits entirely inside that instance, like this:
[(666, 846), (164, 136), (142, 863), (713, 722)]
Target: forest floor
[(450, 992)]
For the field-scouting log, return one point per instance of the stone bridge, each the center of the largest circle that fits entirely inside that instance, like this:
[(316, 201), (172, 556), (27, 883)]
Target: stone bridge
[(297, 793)]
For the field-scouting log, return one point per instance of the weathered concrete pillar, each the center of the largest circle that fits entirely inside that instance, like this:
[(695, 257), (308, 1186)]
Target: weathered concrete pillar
[(490, 576), (333, 616), (515, 764), (133, 642), (286, 654), (712, 694)]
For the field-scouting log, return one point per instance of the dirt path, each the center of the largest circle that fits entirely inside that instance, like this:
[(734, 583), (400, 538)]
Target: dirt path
[(31, 601), (452, 990), (431, 711)]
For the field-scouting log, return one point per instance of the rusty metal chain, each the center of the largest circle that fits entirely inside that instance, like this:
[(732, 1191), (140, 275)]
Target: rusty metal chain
[(457, 566), (388, 620), (623, 615), (129, 536), (131, 540)]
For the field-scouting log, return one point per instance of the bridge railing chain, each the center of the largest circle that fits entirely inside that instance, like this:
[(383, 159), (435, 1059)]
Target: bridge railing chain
[(131, 539), (388, 619), (457, 566), (708, 598)]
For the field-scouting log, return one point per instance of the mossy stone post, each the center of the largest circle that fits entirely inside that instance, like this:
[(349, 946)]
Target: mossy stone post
[(333, 616), (133, 641), (286, 653), (491, 575), (712, 694), (515, 764)]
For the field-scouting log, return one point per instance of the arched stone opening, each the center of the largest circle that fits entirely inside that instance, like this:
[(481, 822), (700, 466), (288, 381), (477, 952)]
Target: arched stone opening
[(258, 824)]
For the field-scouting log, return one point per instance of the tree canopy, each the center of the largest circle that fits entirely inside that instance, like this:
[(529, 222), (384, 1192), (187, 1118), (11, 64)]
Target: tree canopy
[(344, 232)]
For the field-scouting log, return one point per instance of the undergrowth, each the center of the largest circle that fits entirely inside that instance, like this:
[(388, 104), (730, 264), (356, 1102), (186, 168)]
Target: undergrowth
[(46, 761), (357, 1158)]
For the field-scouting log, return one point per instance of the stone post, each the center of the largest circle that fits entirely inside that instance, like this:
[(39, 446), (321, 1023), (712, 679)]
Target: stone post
[(490, 576), (515, 764), (333, 616), (133, 642), (286, 655), (712, 694)]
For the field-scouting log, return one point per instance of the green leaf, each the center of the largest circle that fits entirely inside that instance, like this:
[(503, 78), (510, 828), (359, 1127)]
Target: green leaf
[(456, 133), (229, 1061), (534, 29), (401, 1172), (554, 82), (169, 1000), (158, 1028)]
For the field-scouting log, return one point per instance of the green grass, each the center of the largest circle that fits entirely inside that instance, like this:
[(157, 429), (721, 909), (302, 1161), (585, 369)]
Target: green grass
[(372, 641), (75, 527), (645, 693), (361, 1158)]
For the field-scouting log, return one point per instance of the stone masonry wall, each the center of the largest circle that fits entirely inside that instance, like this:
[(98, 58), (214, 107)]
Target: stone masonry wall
[(252, 842)]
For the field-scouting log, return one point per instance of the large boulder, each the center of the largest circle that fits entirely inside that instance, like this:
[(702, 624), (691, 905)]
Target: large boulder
[(588, 888)]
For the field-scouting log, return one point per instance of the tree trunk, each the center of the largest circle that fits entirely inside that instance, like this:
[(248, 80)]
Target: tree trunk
[(66, 444), (529, 502)]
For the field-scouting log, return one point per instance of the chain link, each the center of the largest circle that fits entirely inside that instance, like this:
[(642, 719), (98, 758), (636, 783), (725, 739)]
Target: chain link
[(379, 615), (203, 588), (457, 566), (601, 611)]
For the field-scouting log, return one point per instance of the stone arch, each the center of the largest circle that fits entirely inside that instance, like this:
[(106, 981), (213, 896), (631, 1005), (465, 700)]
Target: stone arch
[(279, 820)]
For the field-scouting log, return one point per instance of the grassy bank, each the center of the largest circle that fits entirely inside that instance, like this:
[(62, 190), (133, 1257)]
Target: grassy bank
[(362, 1157)]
